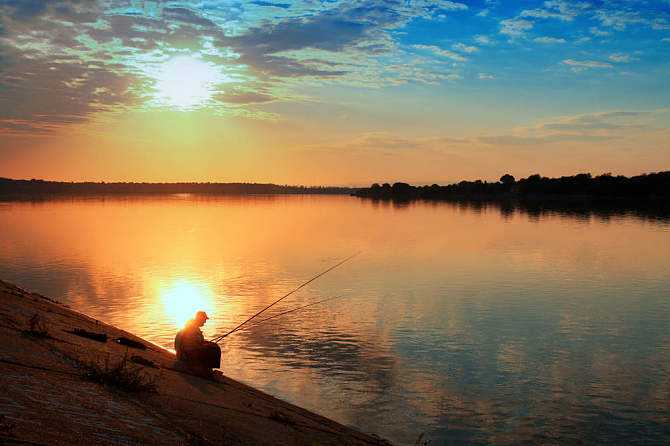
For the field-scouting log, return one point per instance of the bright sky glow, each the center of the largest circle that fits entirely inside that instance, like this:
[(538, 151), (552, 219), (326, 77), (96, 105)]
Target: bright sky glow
[(337, 92)]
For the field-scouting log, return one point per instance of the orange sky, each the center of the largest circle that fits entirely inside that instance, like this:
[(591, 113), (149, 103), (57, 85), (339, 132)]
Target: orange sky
[(331, 94)]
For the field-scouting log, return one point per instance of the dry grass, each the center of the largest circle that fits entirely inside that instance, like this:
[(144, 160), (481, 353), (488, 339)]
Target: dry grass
[(122, 375), (37, 328), (422, 440)]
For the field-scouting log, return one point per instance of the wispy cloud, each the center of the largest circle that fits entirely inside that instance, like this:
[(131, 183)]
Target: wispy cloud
[(599, 32), (588, 123), (441, 52), (99, 56), (588, 127), (483, 40), (548, 40), (581, 65), (465, 48), (557, 9), (620, 57), (660, 24), (515, 27), (618, 19), (450, 6)]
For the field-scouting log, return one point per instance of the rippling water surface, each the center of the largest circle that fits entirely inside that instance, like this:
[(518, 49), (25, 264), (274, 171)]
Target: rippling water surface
[(467, 324)]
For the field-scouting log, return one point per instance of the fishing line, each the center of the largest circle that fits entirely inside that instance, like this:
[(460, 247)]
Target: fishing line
[(257, 323), (219, 338)]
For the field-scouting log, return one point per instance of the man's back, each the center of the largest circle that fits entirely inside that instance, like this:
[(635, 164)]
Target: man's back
[(192, 348), (191, 336)]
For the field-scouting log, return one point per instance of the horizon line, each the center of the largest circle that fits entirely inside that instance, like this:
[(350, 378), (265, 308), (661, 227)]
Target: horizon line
[(349, 186)]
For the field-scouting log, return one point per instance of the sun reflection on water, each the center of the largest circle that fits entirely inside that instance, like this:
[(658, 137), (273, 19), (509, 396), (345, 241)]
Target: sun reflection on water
[(183, 298)]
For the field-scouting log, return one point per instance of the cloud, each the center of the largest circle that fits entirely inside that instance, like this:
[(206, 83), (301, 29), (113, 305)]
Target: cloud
[(544, 14), (620, 58), (587, 123), (515, 27), (618, 19), (616, 123), (548, 40), (327, 31), (465, 48), (557, 9), (514, 140), (185, 15), (660, 24), (422, 70), (260, 47), (483, 40), (25, 10), (581, 65), (75, 47), (348, 30), (485, 76), (271, 4), (616, 15), (441, 52), (99, 56), (450, 6), (582, 128), (43, 96), (244, 95), (589, 127), (390, 143), (598, 32)]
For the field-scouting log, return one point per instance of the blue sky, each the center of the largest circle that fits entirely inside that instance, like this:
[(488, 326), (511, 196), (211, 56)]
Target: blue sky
[(378, 89)]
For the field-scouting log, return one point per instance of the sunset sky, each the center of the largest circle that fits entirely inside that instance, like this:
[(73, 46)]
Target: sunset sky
[(328, 92)]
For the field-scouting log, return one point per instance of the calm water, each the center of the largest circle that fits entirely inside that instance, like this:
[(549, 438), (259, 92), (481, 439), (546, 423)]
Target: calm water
[(467, 324)]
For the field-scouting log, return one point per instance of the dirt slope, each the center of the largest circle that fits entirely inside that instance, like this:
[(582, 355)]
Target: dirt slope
[(45, 398)]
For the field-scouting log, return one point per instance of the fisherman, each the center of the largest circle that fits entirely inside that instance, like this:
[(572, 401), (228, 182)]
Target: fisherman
[(192, 348)]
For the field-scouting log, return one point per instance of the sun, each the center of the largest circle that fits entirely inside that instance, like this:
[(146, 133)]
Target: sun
[(186, 82)]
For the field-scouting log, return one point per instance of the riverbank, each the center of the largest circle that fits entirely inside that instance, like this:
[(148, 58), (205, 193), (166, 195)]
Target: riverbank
[(66, 379), (652, 186)]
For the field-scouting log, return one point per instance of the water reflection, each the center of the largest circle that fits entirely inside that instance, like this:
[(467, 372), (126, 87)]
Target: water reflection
[(581, 209), (481, 323)]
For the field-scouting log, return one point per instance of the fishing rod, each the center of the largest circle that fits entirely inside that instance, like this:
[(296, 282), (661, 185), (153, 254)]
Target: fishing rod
[(257, 323), (219, 338)]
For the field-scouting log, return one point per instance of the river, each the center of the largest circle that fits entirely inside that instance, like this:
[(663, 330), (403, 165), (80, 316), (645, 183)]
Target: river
[(467, 324)]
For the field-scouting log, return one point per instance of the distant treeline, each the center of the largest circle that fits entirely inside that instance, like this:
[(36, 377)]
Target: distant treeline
[(652, 185), (9, 187)]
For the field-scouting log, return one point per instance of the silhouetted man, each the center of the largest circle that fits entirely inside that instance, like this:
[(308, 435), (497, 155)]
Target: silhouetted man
[(192, 348)]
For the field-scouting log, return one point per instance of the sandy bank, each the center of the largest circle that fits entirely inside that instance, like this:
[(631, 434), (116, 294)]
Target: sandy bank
[(46, 399)]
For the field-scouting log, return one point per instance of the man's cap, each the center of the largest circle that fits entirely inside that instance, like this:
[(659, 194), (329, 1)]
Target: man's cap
[(200, 314)]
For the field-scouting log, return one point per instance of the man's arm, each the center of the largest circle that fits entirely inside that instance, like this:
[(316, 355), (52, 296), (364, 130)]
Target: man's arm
[(192, 339)]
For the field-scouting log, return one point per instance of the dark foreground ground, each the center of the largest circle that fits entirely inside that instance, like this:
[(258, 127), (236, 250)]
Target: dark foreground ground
[(59, 388)]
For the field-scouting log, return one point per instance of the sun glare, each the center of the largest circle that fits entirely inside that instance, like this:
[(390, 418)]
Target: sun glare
[(186, 82), (183, 298)]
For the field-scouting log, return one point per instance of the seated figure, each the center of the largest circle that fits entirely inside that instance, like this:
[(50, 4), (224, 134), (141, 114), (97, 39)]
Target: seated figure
[(193, 349)]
